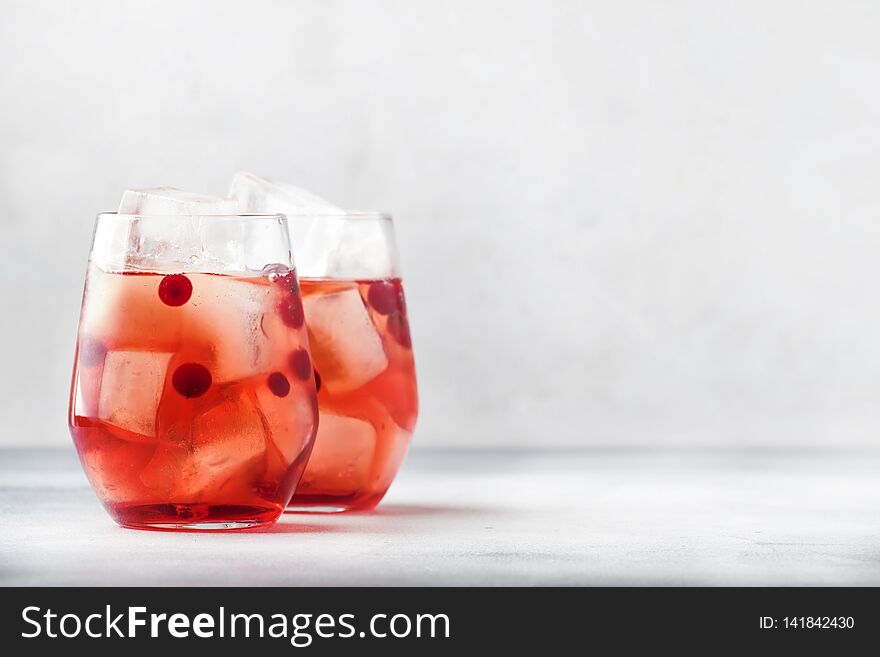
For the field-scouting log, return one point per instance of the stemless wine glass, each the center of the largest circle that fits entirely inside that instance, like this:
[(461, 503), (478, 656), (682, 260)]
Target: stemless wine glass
[(363, 359), (188, 409)]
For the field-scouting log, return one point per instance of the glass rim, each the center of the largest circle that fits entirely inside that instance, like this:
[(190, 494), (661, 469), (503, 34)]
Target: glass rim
[(354, 215), (250, 216), (341, 214)]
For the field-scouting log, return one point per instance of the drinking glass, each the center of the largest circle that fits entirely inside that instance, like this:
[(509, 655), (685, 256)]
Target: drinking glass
[(188, 407), (363, 359)]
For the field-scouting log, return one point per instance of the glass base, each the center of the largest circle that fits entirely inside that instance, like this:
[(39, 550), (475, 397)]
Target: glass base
[(193, 517), (317, 508), (198, 526), (322, 503)]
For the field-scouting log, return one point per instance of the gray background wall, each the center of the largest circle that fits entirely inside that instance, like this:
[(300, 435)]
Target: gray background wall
[(622, 223)]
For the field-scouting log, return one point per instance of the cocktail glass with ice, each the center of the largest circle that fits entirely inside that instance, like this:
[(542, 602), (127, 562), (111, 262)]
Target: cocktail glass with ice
[(187, 407), (360, 345)]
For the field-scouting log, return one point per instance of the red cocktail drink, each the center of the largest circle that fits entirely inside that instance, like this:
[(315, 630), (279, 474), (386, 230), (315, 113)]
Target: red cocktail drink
[(365, 374), (185, 408), (360, 340)]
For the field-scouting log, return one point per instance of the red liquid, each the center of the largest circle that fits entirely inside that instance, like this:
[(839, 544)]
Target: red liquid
[(362, 351), (184, 409)]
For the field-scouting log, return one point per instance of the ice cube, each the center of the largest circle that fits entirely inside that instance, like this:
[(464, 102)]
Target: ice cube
[(228, 441), (397, 389), (222, 446), (131, 387), (327, 241), (227, 313), (126, 311), (173, 201), (341, 246), (316, 226), (346, 347), (89, 371), (343, 454), (113, 471), (85, 401), (291, 419), (180, 234), (256, 194)]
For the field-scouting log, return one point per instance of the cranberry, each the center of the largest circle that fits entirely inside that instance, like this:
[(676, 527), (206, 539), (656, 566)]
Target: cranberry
[(301, 364), (398, 327), (288, 282), (191, 380), (291, 310), (91, 352), (383, 296), (278, 384), (175, 289), (317, 381)]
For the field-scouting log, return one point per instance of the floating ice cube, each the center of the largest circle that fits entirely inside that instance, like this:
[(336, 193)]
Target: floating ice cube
[(89, 371), (87, 386), (317, 227), (227, 313), (222, 447), (104, 466), (255, 194), (291, 419), (231, 311), (228, 441), (173, 201), (351, 246), (343, 454), (346, 347), (127, 312), (397, 390), (131, 387), (178, 232)]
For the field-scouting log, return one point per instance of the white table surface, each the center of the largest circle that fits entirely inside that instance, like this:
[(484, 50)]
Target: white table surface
[(460, 518)]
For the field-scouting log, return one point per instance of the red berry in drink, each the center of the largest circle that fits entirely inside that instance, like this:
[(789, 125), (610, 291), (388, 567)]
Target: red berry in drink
[(91, 352), (383, 296), (191, 380), (175, 289), (398, 327), (278, 384), (288, 282), (301, 364), (291, 310)]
